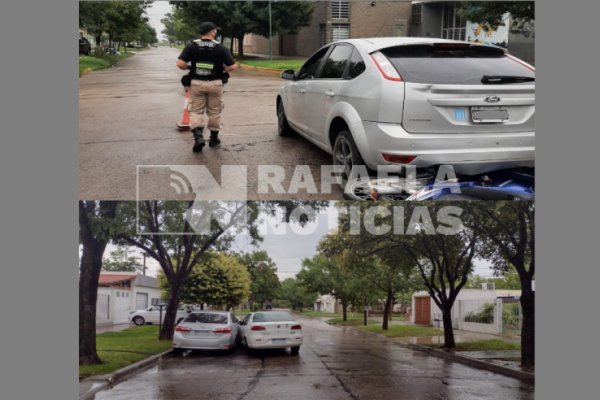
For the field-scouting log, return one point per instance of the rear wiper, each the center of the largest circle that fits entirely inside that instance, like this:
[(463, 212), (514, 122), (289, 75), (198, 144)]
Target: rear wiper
[(502, 79)]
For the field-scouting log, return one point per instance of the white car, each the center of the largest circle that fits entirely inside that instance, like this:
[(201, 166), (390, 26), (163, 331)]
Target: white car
[(270, 330), (151, 315)]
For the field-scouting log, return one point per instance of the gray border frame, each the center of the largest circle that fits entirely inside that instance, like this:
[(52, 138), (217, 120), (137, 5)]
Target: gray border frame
[(38, 165)]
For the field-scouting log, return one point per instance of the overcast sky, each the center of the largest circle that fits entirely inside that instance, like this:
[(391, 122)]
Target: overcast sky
[(155, 13), (289, 244)]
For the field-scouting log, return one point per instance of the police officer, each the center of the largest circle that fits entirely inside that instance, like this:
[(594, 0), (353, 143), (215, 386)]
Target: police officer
[(207, 59)]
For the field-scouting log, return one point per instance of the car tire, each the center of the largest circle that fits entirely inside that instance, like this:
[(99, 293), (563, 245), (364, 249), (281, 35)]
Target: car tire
[(138, 320), (346, 153), (295, 350), (283, 127)]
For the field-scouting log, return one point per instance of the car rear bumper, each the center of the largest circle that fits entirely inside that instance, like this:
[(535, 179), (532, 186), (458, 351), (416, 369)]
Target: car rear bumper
[(469, 153), (268, 343), (223, 342)]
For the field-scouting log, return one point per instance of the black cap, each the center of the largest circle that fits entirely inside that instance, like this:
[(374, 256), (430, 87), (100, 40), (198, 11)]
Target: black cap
[(206, 27)]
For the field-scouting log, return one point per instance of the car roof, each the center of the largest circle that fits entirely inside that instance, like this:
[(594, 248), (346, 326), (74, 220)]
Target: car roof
[(373, 44)]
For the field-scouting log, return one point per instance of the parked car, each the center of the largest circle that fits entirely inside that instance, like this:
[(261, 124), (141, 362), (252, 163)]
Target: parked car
[(207, 330), (151, 315), (270, 330), (413, 101), (85, 47)]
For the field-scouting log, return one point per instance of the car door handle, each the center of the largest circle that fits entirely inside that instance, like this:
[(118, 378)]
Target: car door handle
[(302, 91), (329, 93)]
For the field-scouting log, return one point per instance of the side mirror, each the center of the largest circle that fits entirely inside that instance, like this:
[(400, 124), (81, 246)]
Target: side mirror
[(288, 75)]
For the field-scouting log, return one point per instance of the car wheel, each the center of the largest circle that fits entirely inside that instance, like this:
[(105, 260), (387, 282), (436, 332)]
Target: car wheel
[(346, 153), (139, 320), (295, 350), (177, 351), (283, 127)]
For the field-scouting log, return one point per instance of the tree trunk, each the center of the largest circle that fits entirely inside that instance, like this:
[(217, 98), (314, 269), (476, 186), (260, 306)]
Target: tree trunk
[(448, 330), (280, 45), (344, 311), (201, 306), (240, 41), (387, 309), (167, 329), (231, 44), (528, 328), (91, 264)]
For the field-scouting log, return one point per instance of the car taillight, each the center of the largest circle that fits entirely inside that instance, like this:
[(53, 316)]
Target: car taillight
[(398, 159), (227, 329), (182, 329), (296, 327), (258, 328), (385, 67)]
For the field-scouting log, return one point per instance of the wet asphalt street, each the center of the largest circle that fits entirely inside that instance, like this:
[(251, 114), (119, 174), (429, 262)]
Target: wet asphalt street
[(127, 117), (334, 363)]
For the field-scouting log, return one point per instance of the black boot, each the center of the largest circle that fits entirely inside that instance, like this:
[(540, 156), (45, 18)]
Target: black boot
[(214, 139), (198, 139)]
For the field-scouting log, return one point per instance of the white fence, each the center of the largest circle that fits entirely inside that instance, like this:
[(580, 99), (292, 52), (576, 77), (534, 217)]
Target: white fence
[(496, 316)]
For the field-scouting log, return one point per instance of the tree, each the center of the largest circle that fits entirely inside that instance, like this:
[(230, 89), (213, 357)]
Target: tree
[(265, 283), (178, 253), (443, 258), (297, 294), (219, 279), (121, 260), (97, 225), (508, 280), (178, 28), (328, 273), (490, 13), (508, 230), (237, 18)]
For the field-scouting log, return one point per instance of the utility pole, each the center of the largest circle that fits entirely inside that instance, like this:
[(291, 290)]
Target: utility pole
[(270, 33), (144, 267)]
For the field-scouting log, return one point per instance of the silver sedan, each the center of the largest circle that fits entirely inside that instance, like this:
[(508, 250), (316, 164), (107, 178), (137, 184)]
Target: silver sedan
[(206, 330), (413, 101)]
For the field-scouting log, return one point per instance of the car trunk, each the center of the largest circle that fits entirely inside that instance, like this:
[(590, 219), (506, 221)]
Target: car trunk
[(462, 88)]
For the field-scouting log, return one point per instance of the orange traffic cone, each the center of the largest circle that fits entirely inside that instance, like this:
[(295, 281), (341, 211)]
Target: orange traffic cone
[(185, 120)]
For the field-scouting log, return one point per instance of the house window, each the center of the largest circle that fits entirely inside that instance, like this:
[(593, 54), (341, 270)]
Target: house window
[(322, 35), (118, 294), (416, 13), (340, 32), (340, 9), (453, 27)]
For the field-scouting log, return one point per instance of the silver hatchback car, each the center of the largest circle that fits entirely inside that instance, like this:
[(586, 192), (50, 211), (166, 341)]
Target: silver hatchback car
[(413, 101), (206, 330)]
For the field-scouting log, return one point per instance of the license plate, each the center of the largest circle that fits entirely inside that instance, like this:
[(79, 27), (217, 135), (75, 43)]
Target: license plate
[(278, 340), (489, 114)]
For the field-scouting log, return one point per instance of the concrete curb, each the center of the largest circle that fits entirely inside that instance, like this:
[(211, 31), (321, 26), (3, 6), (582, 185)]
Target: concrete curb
[(102, 382), (472, 362), (269, 71)]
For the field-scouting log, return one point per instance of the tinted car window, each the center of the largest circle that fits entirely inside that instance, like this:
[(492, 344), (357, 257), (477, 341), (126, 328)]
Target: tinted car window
[(445, 64), (272, 316), (309, 69), (336, 63), (357, 65), (207, 318)]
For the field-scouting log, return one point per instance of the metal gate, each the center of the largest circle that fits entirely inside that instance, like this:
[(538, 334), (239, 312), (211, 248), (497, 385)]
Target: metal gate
[(103, 308)]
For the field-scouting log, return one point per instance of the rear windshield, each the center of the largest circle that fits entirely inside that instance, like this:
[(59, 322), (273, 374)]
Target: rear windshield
[(272, 316), (206, 318), (453, 64)]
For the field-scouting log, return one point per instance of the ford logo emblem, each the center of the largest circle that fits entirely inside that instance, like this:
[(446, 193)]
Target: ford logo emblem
[(492, 99)]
